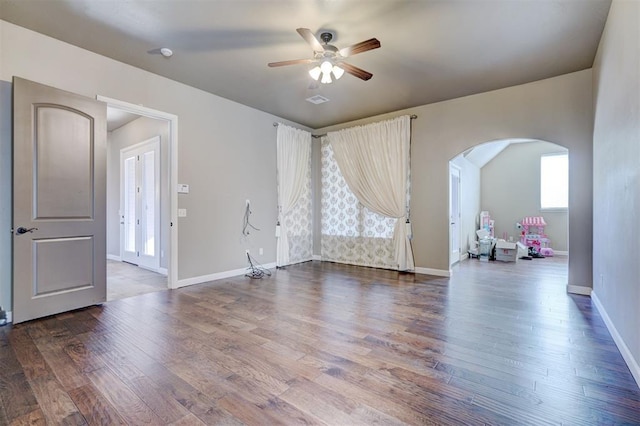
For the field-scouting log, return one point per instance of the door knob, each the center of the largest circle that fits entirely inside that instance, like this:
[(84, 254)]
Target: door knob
[(22, 230)]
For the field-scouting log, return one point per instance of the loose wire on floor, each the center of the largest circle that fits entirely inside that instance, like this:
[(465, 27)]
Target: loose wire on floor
[(256, 270)]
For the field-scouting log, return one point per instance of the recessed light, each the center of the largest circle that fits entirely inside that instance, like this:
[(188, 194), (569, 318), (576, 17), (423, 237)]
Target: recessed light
[(166, 52)]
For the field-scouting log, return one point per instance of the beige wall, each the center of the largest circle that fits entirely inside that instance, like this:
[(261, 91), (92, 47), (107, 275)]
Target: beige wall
[(511, 191), (616, 177), (139, 130), (226, 150), (558, 110)]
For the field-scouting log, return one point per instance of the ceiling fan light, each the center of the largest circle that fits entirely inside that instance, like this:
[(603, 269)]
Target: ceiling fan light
[(326, 78), (326, 67), (315, 73), (337, 72)]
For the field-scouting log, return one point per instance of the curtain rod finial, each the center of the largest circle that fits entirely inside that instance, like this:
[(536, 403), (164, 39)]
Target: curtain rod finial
[(275, 124)]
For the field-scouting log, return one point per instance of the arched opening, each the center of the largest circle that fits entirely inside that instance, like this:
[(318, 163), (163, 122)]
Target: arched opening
[(499, 184)]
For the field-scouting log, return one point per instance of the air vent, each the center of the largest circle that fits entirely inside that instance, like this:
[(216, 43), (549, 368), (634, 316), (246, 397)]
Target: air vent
[(317, 99)]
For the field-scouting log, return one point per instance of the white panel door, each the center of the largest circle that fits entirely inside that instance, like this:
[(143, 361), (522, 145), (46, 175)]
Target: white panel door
[(59, 201), (140, 203), (454, 214)]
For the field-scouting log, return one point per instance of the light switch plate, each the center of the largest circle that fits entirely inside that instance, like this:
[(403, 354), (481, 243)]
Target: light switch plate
[(182, 212), (183, 188)]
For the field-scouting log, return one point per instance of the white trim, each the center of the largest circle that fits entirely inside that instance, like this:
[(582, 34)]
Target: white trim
[(622, 347), (578, 289), (218, 276), (172, 278), (316, 257), (430, 271), (464, 256), (560, 253), (9, 316), (163, 271), (114, 257)]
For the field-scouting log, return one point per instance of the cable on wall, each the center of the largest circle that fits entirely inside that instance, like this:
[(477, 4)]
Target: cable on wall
[(246, 226)]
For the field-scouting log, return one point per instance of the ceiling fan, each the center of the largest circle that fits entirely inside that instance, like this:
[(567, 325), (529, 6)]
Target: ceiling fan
[(329, 59)]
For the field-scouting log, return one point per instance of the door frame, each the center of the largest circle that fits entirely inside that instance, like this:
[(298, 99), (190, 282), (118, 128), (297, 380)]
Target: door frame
[(172, 119), (458, 171)]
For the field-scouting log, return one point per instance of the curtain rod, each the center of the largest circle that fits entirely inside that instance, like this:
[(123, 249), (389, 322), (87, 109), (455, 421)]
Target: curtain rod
[(412, 117)]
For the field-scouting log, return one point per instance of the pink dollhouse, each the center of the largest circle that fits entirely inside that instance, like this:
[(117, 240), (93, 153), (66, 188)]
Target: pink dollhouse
[(532, 235)]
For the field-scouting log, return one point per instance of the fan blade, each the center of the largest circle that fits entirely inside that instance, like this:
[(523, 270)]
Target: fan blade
[(311, 39), (355, 71), (291, 62), (363, 46)]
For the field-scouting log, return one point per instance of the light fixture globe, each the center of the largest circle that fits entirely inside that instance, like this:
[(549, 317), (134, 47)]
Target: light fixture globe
[(326, 67), (337, 72), (315, 73)]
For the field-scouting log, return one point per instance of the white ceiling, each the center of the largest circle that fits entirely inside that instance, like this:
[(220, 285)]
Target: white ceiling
[(431, 50)]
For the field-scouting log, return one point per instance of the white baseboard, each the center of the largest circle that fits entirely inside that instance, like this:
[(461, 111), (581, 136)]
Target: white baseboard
[(622, 347), (464, 256), (430, 271), (114, 257), (316, 257), (560, 253), (217, 276), (163, 271), (578, 289), (9, 317)]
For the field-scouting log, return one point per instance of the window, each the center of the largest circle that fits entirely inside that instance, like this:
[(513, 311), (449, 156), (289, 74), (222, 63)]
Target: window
[(342, 214), (554, 181)]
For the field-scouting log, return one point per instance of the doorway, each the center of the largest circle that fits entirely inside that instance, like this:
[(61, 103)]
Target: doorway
[(454, 214), (504, 178), (141, 212)]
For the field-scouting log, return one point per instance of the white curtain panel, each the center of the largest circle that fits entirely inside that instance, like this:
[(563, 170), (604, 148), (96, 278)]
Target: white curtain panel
[(294, 181), (350, 232), (374, 160)]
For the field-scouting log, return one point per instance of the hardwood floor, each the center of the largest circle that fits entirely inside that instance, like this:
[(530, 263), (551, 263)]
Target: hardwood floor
[(322, 343), (127, 280)]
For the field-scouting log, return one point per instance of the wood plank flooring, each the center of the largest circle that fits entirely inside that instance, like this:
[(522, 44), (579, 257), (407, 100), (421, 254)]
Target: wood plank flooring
[(322, 343), (127, 280)]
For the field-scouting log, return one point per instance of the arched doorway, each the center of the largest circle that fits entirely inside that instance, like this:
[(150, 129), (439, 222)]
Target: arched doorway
[(506, 179)]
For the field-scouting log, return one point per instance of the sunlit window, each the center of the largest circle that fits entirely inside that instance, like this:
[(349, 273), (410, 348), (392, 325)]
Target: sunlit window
[(554, 181)]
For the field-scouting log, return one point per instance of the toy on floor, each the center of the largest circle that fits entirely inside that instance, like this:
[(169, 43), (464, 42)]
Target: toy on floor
[(532, 235)]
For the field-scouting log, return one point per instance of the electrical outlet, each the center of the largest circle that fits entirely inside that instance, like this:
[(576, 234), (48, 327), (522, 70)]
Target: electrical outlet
[(247, 251), (261, 252), (248, 202)]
